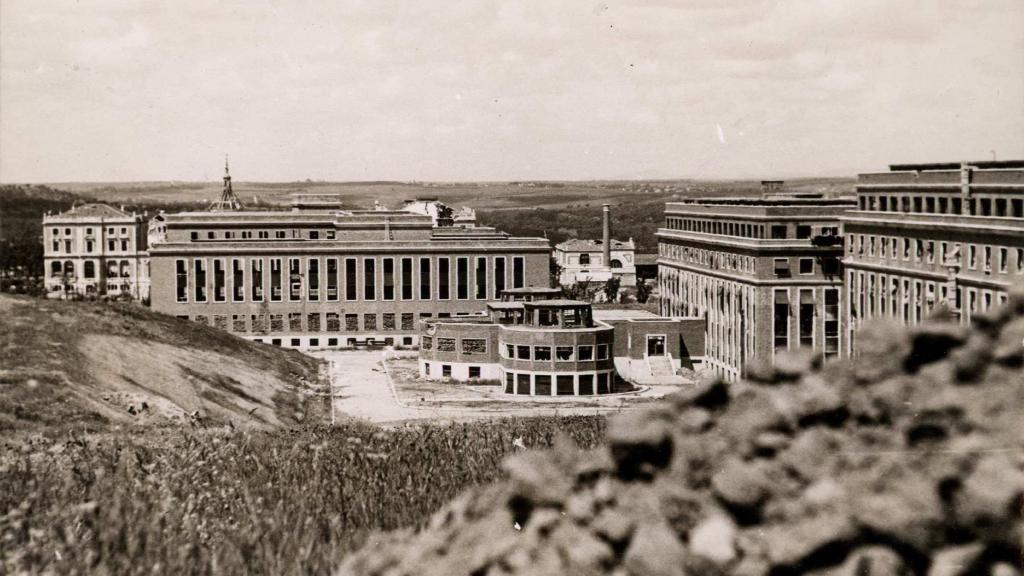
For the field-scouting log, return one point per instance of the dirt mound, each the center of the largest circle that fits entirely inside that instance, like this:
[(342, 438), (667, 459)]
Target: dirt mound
[(91, 364), (907, 460)]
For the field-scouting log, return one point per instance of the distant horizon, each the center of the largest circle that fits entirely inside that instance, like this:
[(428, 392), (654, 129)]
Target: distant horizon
[(741, 178), (237, 181)]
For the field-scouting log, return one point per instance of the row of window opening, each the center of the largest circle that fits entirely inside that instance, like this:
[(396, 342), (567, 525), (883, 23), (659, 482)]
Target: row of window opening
[(304, 279), (293, 234), (987, 258), (943, 204), (744, 230)]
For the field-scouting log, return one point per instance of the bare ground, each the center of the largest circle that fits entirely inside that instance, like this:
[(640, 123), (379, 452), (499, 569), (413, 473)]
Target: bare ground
[(369, 387), (85, 365)]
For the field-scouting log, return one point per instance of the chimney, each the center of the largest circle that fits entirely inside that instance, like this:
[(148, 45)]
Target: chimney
[(606, 235)]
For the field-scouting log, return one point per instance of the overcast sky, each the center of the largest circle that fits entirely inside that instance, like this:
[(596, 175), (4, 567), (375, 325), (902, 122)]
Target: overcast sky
[(449, 90)]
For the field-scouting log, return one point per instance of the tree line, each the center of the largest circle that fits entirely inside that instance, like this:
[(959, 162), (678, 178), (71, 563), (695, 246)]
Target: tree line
[(22, 207), (639, 220)]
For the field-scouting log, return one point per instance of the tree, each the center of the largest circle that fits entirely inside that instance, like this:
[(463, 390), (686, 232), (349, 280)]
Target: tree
[(579, 291), (611, 288), (643, 291), (555, 272)]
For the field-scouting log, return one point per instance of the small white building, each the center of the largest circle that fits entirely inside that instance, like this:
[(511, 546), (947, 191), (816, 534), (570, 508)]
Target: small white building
[(585, 261), (95, 249)]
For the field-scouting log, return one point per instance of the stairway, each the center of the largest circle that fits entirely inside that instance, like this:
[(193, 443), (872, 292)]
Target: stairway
[(661, 366)]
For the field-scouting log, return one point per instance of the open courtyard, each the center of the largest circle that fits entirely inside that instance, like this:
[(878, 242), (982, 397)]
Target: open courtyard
[(385, 387)]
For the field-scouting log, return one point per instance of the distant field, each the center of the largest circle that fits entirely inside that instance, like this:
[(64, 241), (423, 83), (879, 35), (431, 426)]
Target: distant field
[(555, 210), (486, 195)]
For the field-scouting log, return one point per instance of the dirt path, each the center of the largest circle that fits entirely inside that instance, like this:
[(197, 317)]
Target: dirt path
[(362, 389)]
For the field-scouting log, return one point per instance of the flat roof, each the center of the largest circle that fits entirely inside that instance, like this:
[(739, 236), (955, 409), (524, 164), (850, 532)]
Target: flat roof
[(983, 164), (477, 319), (531, 290), (505, 305), (556, 303), (774, 200), (625, 314)]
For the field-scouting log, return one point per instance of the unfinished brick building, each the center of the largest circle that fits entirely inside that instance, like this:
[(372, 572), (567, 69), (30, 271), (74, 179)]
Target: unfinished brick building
[(764, 272), (323, 276), (933, 235)]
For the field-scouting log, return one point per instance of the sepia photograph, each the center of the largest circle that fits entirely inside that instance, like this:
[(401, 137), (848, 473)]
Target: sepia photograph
[(613, 288)]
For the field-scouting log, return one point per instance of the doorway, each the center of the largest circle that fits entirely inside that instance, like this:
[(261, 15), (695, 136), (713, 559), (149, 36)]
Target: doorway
[(656, 345)]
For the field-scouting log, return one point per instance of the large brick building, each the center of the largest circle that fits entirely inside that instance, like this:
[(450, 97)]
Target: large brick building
[(95, 250), (928, 235), (763, 271), (321, 276)]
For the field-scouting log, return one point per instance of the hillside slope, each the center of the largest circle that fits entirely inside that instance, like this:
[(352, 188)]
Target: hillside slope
[(93, 365)]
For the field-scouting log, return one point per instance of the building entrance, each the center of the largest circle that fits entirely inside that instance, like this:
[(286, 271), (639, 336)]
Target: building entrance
[(655, 345)]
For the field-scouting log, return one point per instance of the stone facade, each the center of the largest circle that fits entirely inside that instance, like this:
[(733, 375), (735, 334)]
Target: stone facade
[(764, 272), (928, 236), (95, 250)]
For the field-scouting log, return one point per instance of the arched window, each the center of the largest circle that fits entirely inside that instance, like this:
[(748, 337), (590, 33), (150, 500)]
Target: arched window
[(584, 259), (125, 269), (616, 263), (55, 269), (69, 268), (90, 269), (112, 269)]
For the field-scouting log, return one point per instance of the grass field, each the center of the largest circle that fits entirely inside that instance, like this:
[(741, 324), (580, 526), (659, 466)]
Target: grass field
[(480, 195), (174, 501)]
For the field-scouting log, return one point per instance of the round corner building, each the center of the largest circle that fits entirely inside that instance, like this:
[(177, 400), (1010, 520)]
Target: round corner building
[(536, 345)]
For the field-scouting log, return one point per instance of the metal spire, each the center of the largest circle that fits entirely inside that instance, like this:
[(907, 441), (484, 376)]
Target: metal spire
[(228, 200)]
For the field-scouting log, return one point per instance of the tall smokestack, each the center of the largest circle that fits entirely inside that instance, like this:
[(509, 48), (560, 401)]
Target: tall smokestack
[(606, 235)]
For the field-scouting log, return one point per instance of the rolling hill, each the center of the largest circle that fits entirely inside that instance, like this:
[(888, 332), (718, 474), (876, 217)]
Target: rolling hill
[(556, 210), (479, 195), (94, 365)]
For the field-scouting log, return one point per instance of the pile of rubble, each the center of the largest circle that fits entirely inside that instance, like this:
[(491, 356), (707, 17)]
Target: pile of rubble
[(907, 460)]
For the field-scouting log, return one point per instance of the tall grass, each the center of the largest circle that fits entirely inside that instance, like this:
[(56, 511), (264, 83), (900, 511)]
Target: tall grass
[(289, 502)]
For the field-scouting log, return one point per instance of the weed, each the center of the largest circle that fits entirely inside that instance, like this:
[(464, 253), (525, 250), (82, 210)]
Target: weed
[(267, 502)]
